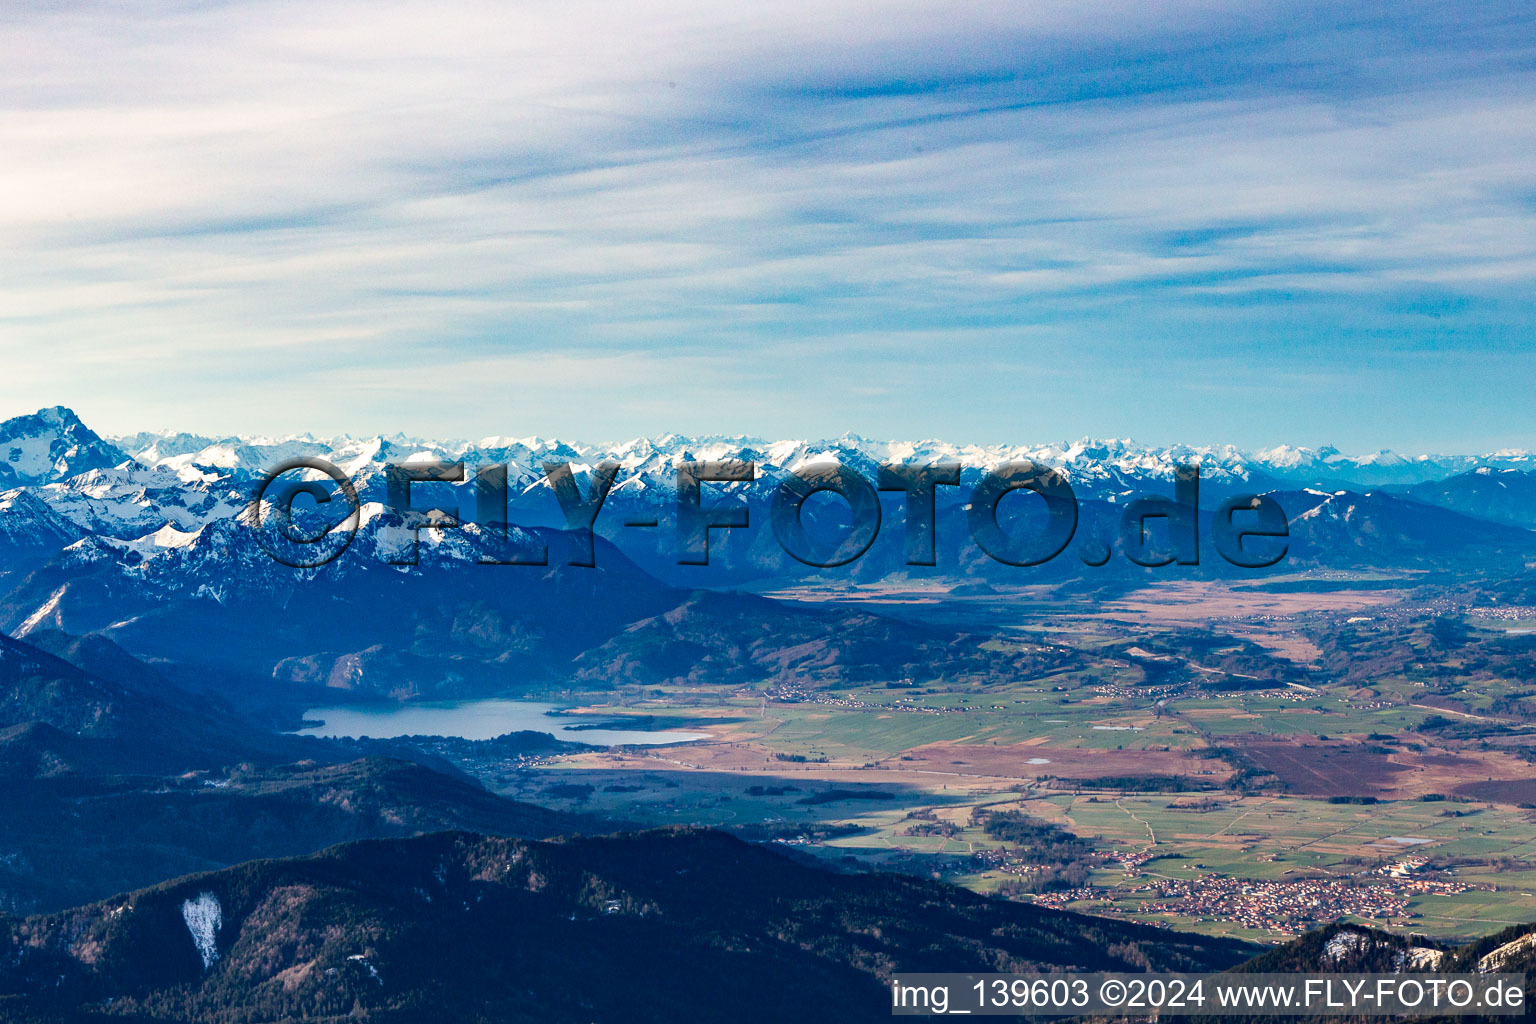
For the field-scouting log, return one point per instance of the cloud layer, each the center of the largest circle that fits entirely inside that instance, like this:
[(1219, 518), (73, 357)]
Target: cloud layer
[(999, 222)]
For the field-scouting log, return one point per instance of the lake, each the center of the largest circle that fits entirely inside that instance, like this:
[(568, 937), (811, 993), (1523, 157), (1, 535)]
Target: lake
[(476, 720)]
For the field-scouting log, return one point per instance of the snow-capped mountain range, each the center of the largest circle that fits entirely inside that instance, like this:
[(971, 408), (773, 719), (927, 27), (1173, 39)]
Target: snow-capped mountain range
[(147, 541), (62, 482), (1089, 463)]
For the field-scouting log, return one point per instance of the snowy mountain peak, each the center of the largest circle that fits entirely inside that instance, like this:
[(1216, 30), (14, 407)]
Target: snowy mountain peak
[(50, 445)]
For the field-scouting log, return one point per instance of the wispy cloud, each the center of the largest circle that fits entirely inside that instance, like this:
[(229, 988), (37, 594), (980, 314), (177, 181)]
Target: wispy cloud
[(1000, 221)]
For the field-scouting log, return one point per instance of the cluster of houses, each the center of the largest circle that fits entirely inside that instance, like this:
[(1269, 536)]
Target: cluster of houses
[(1265, 905)]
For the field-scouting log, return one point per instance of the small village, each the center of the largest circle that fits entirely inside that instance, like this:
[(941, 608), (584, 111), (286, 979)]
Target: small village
[(1285, 906)]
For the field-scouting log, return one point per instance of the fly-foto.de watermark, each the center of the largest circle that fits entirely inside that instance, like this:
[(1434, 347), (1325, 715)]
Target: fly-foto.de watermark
[(1218, 996), (1247, 530)]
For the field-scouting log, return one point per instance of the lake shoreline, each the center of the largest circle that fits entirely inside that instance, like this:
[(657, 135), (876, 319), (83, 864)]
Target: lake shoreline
[(482, 719)]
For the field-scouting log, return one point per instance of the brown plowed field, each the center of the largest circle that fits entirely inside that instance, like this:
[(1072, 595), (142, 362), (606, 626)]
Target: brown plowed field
[(1344, 768)]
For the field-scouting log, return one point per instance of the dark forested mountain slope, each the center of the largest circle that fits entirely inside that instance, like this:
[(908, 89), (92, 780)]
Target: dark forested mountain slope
[(68, 840), (655, 926)]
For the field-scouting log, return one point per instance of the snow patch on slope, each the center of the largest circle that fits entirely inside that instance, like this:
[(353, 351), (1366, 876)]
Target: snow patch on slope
[(204, 918), (1495, 961), (1342, 945)]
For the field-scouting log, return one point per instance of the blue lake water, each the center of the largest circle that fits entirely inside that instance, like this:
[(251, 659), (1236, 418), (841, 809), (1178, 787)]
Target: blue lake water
[(476, 720)]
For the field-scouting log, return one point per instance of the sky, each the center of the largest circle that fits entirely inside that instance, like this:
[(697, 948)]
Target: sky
[(1014, 222)]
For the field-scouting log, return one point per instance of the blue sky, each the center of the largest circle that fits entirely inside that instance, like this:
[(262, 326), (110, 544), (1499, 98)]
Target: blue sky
[(1006, 222)]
